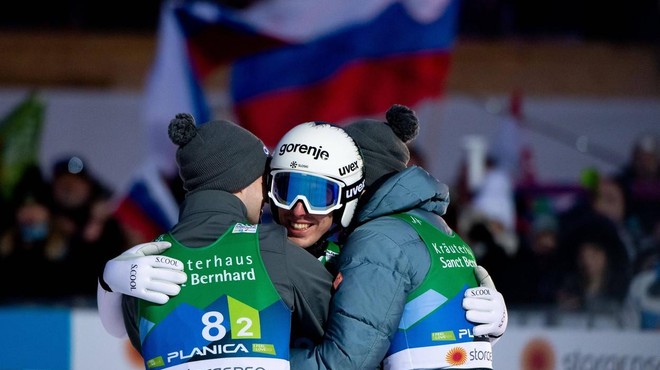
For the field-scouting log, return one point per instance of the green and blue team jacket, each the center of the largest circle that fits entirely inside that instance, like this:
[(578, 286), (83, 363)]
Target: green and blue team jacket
[(227, 315), (433, 332)]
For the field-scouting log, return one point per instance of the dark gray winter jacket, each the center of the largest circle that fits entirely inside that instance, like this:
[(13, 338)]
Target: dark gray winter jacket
[(303, 282)]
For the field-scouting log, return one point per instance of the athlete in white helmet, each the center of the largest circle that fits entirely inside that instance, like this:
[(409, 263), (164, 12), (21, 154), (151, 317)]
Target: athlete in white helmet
[(316, 177)]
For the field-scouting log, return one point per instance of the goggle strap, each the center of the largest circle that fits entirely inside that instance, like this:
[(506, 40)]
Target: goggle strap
[(354, 191)]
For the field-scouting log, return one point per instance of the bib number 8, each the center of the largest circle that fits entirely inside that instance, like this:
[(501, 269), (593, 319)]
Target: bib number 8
[(213, 328)]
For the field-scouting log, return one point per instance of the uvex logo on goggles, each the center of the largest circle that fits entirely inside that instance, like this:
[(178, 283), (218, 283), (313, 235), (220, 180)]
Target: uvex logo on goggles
[(313, 151), (354, 191)]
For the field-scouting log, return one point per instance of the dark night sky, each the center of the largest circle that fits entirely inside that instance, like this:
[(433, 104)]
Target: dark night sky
[(605, 20)]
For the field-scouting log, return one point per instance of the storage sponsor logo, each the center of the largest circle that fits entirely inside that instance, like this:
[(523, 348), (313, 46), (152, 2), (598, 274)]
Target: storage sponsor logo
[(459, 356), (456, 356)]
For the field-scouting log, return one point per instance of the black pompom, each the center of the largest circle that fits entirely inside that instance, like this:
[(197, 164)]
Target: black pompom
[(403, 122), (182, 129)]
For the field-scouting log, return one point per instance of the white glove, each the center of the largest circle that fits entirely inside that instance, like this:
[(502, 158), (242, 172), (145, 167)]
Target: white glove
[(142, 273), (485, 306)]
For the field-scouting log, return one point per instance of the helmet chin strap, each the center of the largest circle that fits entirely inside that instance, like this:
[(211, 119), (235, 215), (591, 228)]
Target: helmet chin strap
[(318, 249)]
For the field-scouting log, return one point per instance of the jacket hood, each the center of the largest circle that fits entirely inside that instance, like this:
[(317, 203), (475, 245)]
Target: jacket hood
[(411, 188)]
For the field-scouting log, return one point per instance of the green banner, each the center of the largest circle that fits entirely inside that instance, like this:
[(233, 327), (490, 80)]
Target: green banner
[(20, 138)]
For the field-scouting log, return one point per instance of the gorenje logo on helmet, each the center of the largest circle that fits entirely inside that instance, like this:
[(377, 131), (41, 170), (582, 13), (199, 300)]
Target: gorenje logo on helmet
[(313, 151)]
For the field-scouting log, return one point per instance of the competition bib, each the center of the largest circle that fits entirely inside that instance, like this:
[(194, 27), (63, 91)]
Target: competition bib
[(227, 315), (433, 332)]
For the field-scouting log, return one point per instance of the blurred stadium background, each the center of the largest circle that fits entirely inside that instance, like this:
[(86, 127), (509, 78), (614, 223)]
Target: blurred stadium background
[(587, 71)]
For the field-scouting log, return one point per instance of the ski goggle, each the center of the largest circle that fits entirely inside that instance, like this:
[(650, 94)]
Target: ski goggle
[(320, 195)]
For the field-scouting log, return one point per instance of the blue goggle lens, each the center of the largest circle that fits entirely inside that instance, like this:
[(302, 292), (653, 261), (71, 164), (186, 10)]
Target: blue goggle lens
[(319, 194)]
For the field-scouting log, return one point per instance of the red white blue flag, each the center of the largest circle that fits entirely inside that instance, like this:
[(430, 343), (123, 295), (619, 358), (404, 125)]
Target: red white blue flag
[(296, 61), (148, 208)]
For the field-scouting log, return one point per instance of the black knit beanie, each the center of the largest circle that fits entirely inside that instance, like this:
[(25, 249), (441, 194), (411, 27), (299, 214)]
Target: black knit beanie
[(383, 143), (218, 155)]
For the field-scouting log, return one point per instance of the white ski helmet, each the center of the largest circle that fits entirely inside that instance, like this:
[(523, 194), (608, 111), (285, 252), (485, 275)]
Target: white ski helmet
[(319, 164)]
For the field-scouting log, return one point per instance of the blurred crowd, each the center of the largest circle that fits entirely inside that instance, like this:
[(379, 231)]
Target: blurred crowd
[(57, 231), (592, 247)]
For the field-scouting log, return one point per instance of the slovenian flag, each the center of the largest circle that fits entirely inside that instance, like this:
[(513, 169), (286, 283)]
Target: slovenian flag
[(294, 61), (398, 52)]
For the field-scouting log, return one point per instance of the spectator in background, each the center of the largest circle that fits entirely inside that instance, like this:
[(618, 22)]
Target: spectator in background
[(82, 211), (535, 278), (610, 202), (80, 201), (640, 181), (493, 202), (32, 244), (597, 214), (486, 214), (595, 286)]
